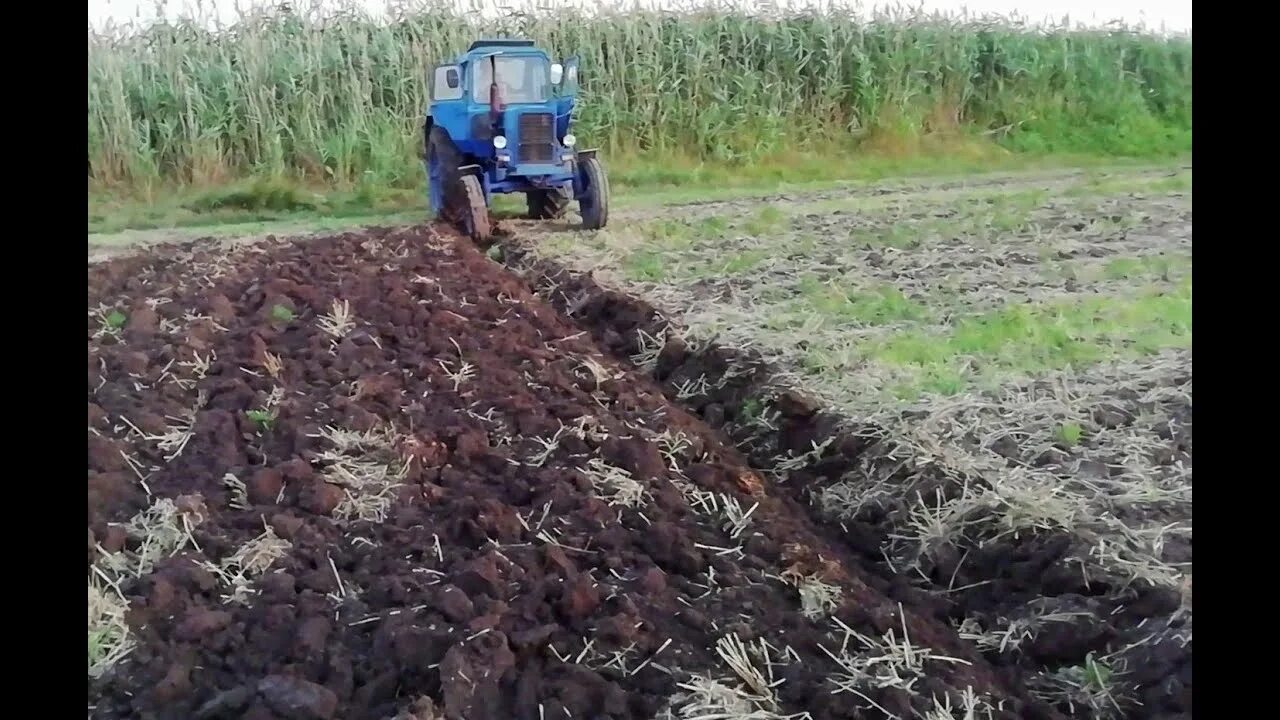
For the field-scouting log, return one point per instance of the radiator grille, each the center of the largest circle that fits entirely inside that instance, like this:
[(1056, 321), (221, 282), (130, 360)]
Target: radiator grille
[(537, 138)]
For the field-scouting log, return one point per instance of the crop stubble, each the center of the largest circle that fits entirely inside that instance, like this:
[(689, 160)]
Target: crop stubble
[(373, 474)]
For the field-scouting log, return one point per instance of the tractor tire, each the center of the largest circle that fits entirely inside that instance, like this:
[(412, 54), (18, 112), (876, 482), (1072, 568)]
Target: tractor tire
[(548, 204), (441, 150), (475, 220), (593, 204)]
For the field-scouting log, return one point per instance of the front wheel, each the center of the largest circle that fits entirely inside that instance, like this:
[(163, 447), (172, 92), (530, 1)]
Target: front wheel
[(548, 204), (593, 201)]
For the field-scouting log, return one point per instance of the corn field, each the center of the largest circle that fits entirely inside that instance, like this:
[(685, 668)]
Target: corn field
[(340, 98)]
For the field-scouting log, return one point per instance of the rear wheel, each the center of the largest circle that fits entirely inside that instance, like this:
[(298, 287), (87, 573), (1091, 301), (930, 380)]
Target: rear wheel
[(460, 198), (475, 218), (548, 204), (593, 201), (443, 159)]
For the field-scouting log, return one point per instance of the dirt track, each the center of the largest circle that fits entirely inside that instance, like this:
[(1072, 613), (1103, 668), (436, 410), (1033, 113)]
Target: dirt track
[(453, 493)]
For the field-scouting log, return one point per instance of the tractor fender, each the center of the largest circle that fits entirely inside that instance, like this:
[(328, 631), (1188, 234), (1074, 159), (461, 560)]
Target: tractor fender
[(426, 136), (471, 169), (587, 153)]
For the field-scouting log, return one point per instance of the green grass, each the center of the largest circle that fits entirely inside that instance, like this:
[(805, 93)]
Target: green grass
[(1029, 339), (257, 200), (263, 419), (645, 266), (1126, 268), (742, 262), (839, 305), (114, 320), (243, 202), (765, 220), (690, 99), (1177, 181), (1162, 266), (101, 643), (900, 236), (1011, 213), (281, 314), (1070, 434)]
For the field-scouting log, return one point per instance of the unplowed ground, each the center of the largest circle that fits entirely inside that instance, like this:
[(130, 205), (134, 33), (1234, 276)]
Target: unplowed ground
[(374, 475), (1001, 376)]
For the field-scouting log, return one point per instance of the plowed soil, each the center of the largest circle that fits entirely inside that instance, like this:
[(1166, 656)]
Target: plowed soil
[(540, 544)]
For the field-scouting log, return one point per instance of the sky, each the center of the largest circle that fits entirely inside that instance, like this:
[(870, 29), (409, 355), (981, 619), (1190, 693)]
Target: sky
[(1171, 15)]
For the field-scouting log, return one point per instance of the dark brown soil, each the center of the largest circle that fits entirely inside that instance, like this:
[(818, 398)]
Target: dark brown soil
[(494, 568), (1139, 627)]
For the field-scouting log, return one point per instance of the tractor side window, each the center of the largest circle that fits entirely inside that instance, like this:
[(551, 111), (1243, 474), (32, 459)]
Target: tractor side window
[(520, 79), (447, 83)]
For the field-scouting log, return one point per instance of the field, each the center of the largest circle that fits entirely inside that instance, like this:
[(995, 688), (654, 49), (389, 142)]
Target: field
[(797, 437), (1001, 375), (833, 470)]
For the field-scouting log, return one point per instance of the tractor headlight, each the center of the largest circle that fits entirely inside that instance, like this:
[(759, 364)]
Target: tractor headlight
[(499, 141), (569, 140)]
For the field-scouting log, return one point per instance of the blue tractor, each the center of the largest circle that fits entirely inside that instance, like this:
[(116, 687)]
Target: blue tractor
[(499, 123)]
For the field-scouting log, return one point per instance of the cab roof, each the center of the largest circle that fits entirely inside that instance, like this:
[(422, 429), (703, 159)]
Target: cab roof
[(499, 43)]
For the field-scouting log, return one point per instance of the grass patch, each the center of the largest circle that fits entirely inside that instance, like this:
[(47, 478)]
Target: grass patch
[(645, 266), (714, 227), (900, 236), (670, 234), (765, 220), (114, 320), (264, 420), (727, 265), (1009, 220), (839, 306), (109, 637), (1152, 266), (744, 261), (1031, 338), (254, 201), (1070, 434), (662, 244), (1128, 269), (277, 200), (266, 194), (1008, 212), (281, 314), (1177, 181)]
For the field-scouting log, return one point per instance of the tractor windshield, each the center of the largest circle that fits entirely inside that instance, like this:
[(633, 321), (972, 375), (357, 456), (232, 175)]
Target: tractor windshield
[(521, 79)]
